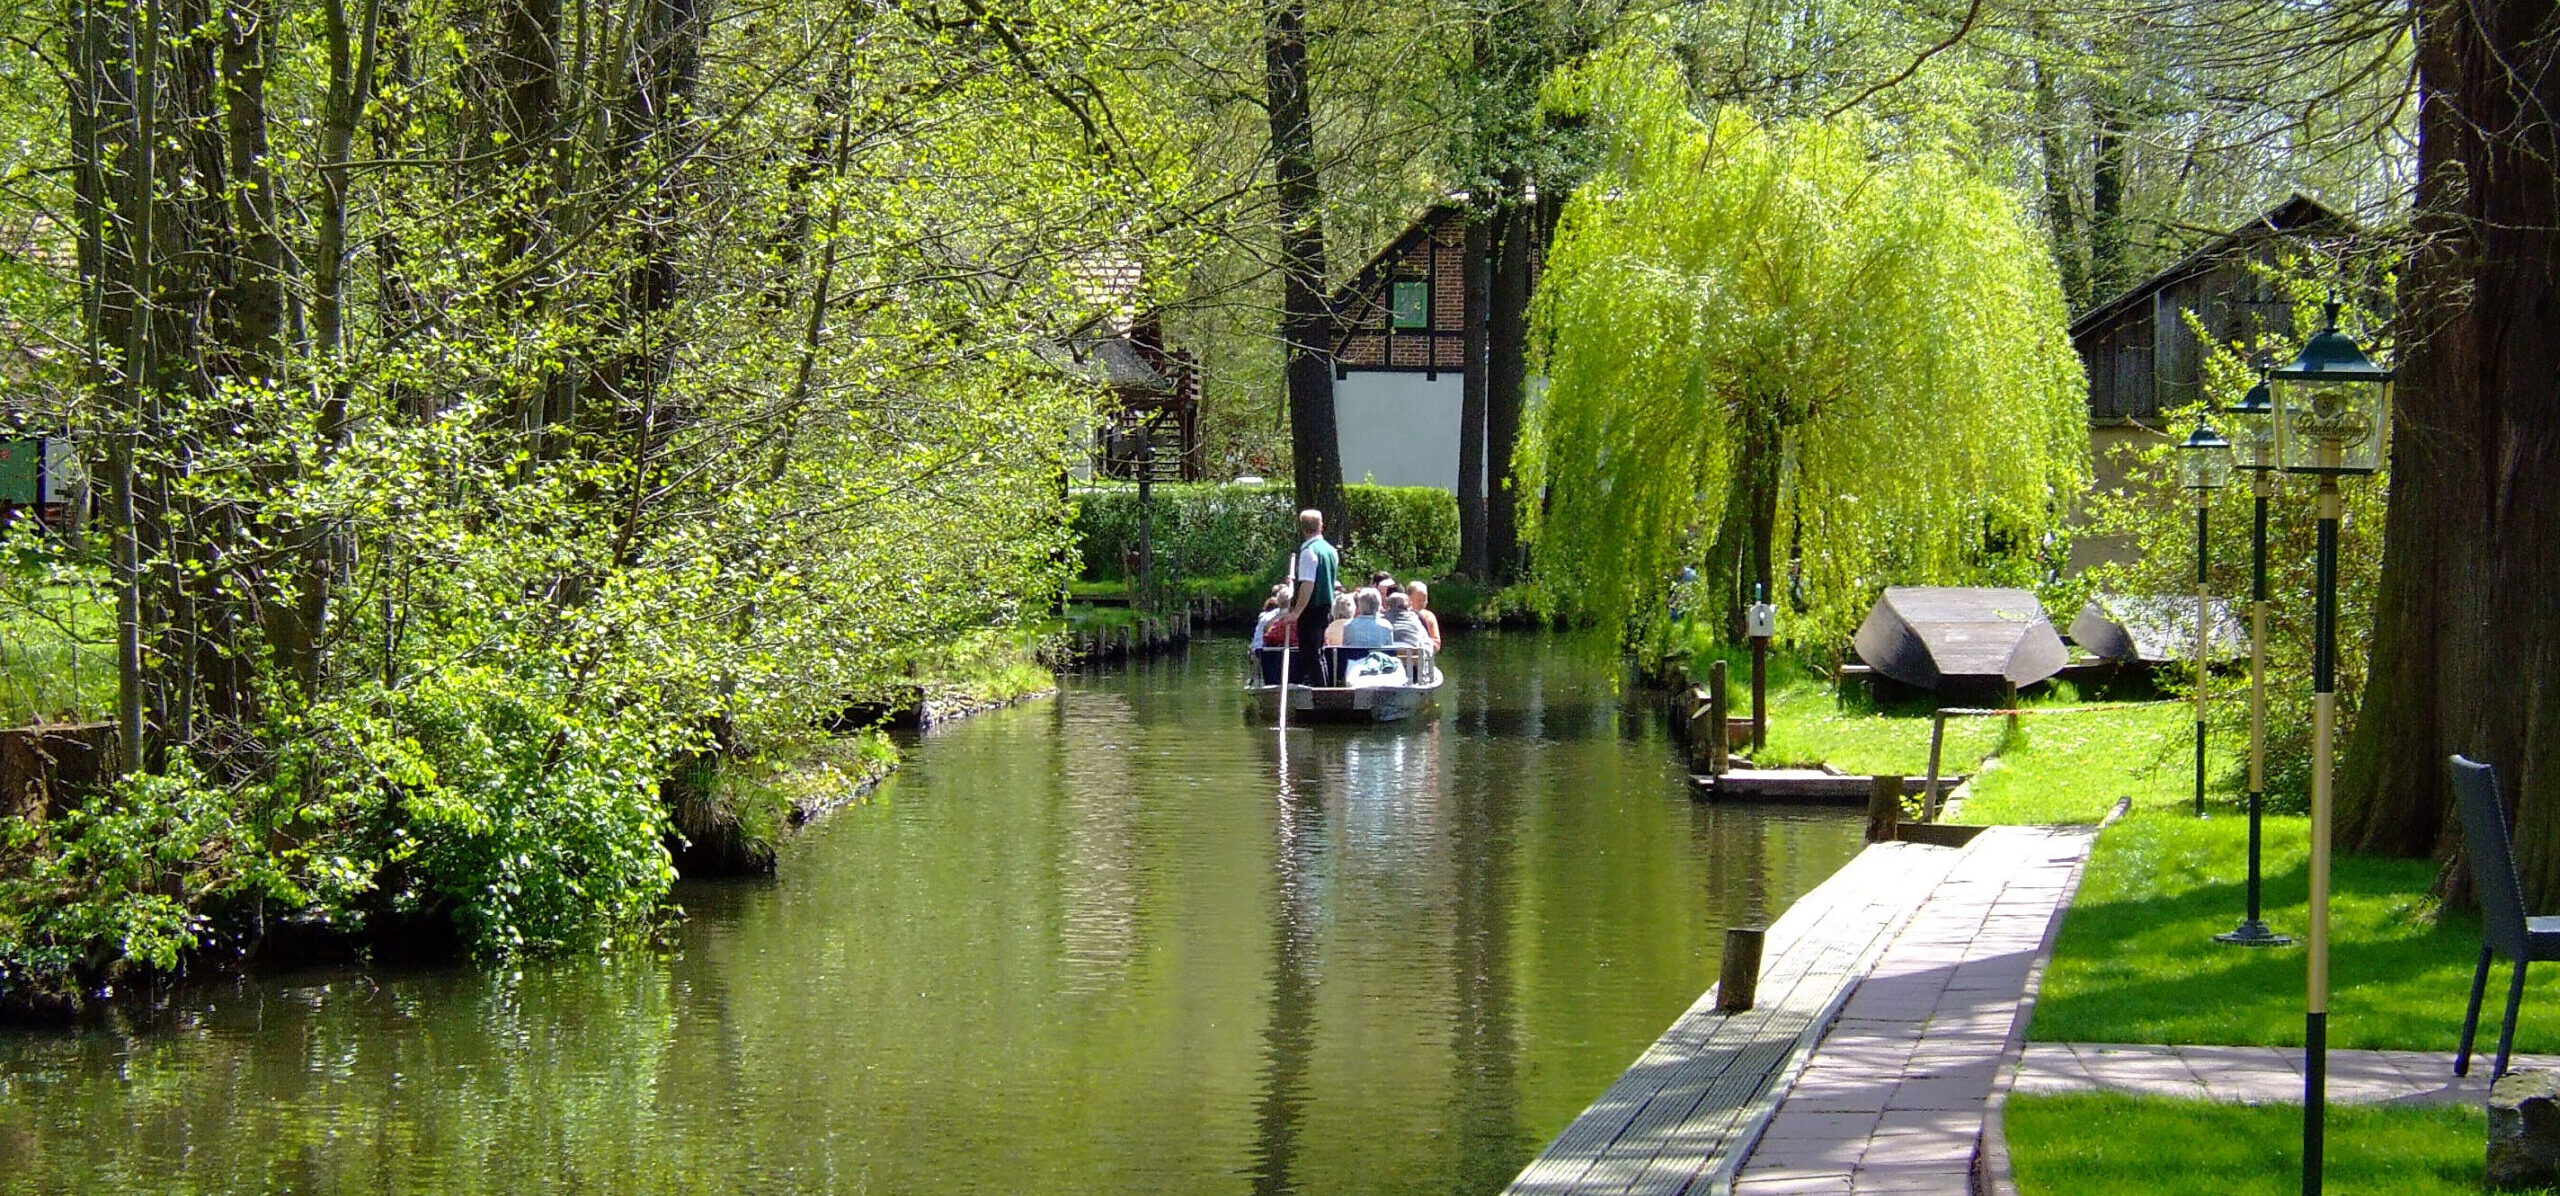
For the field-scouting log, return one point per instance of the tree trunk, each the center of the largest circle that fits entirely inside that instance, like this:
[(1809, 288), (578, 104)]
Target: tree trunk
[(1314, 446), (1746, 549), (2058, 215), (2107, 266), (1475, 556), (2465, 657), (1506, 370)]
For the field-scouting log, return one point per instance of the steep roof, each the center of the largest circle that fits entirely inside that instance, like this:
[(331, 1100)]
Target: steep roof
[(1374, 270), (2299, 213)]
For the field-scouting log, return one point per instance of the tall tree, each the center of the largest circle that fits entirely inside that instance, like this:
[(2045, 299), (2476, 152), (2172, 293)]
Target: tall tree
[(2464, 653), (1508, 154), (1315, 447), (1745, 322), (1475, 558)]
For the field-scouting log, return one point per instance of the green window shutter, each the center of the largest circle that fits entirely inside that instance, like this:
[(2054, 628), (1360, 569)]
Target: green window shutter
[(21, 471), (1409, 303)]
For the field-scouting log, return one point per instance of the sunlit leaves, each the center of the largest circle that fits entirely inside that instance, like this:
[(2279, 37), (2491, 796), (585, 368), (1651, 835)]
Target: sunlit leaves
[(1892, 313)]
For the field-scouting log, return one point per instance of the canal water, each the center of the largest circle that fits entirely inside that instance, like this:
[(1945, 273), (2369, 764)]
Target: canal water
[(1122, 940)]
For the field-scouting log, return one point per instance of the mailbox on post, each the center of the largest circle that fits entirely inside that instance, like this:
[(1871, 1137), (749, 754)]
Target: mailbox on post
[(1761, 620)]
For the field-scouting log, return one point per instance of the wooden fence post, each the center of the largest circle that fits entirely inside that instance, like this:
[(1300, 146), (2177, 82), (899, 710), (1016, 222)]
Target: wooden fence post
[(1937, 741)]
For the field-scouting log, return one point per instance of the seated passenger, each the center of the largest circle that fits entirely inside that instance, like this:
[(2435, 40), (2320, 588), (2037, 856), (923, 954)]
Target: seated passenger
[(1342, 612), (1366, 629), (1421, 595), (1272, 608), (1408, 629), (1383, 582)]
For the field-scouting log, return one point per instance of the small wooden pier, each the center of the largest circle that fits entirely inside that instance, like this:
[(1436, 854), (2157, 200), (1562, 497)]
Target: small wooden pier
[(1681, 1119), (1811, 785)]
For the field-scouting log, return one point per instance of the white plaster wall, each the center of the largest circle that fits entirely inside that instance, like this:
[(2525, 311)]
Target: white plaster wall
[(1397, 428)]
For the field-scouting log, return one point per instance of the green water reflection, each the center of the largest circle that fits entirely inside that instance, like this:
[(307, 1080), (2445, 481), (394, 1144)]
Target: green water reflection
[(1122, 940)]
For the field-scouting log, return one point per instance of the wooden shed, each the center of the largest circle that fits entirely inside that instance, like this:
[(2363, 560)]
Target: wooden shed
[(1151, 416), (1942, 638), (2141, 355)]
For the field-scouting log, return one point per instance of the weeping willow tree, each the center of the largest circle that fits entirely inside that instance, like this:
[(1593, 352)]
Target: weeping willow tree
[(1777, 345)]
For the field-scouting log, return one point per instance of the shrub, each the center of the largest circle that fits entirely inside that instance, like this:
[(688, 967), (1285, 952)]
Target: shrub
[(1208, 530), (1410, 531)]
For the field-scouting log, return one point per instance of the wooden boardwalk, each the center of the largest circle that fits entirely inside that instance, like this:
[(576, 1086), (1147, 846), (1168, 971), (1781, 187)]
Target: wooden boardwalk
[(1681, 1118)]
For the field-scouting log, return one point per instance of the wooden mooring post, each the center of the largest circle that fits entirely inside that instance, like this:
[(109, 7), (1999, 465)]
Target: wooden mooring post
[(1738, 980), (1884, 809), (1937, 743), (1719, 740)]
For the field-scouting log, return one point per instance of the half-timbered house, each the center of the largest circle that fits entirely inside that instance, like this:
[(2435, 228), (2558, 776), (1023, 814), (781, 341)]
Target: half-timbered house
[(1399, 355)]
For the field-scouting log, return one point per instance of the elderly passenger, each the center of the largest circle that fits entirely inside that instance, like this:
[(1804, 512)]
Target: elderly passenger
[(1342, 612), (1421, 595), (1273, 608), (1408, 629), (1366, 629)]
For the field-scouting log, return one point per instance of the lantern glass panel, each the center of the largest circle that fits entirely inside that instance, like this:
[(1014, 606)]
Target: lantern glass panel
[(2204, 468), (2331, 425), (2253, 430)]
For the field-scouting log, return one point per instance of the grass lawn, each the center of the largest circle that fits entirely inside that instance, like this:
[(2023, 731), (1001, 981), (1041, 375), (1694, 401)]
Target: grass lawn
[(2136, 961), (2057, 764), (2093, 1144)]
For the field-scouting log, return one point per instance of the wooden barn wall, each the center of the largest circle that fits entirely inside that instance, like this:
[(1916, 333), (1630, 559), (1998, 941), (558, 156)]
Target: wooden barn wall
[(2147, 359)]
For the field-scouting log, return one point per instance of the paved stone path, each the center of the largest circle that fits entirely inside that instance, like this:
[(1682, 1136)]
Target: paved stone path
[(1678, 1120), (2258, 1075), (1894, 1097)]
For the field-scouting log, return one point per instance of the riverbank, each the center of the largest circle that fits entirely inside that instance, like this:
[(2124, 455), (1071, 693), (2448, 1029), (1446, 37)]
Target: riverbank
[(720, 813)]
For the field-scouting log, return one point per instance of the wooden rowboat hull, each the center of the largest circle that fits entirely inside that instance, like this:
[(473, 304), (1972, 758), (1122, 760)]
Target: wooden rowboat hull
[(1343, 704)]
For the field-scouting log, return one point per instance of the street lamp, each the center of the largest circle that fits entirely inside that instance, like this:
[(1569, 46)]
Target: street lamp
[(2254, 420), (2204, 466), (2333, 410)]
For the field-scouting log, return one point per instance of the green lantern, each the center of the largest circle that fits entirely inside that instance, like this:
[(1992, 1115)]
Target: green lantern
[(2332, 407), (2204, 461), (2253, 427)]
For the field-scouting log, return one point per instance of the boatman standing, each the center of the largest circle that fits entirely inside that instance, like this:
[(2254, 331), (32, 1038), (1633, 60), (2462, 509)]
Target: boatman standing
[(1312, 572)]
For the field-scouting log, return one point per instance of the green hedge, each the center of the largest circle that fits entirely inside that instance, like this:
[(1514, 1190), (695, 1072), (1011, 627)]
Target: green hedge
[(1210, 530)]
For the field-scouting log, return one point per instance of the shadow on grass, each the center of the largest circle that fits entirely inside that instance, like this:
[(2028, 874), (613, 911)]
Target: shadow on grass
[(2136, 960)]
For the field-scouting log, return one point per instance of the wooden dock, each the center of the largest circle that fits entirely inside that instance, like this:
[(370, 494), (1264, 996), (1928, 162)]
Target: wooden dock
[(1801, 785), (1683, 1116)]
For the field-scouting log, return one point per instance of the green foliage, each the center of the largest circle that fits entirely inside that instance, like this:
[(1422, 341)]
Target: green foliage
[(124, 877), (690, 433), (1210, 530), (57, 629), (1410, 531), (1867, 349), (2110, 1144)]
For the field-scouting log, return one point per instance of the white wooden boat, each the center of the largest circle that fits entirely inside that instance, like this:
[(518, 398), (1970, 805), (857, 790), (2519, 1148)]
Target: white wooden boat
[(1350, 703)]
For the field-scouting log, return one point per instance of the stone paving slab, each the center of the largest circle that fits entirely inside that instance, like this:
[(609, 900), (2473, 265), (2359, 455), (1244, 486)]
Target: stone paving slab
[(1894, 1096), (2252, 1075)]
